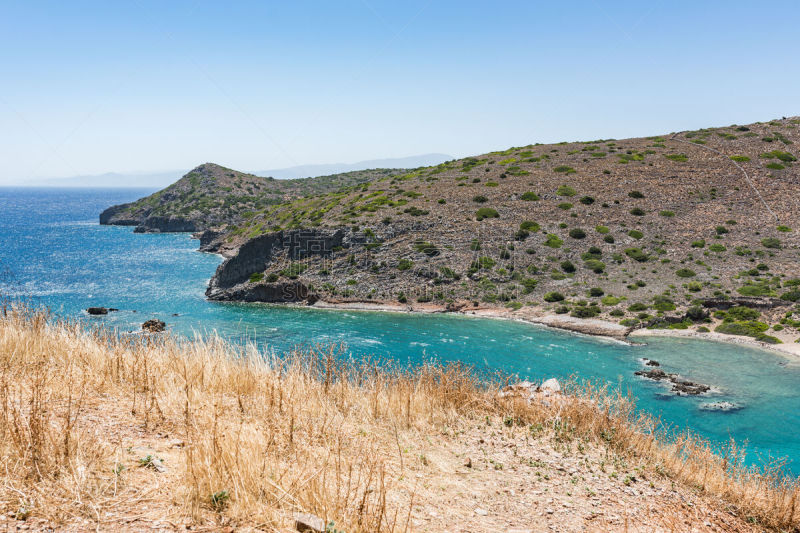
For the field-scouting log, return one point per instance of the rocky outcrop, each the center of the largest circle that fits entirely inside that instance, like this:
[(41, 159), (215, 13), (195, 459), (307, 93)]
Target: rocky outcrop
[(680, 386), (162, 224), (118, 215), (232, 280), (154, 326), (755, 303)]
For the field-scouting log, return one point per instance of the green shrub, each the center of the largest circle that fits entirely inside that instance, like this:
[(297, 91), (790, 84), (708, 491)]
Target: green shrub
[(791, 296), (272, 278), (449, 273), (564, 169), (768, 339), (609, 239), (294, 270), (595, 265), (616, 312), (426, 248), (680, 158), (699, 244), (256, 277), (771, 242), (721, 230), (602, 229), (667, 213), (636, 194), (748, 328), (415, 211), (741, 312), (483, 263), (567, 266), (595, 292), (587, 200), (565, 206), (475, 245), (480, 199), (717, 248), (405, 264), (662, 303), (553, 241), (553, 297), (529, 196), (636, 307), (588, 311), (577, 233), (694, 286), (756, 289), (784, 229), (775, 166), (740, 158), (529, 225), (636, 234), (566, 190), (786, 157), (610, 300), (637, 212), (685, 273), (637, 254), (528, 285), (486, 212)]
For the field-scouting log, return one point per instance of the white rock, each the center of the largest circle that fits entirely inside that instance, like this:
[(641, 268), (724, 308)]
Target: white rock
[(481, 512), (551, 385)]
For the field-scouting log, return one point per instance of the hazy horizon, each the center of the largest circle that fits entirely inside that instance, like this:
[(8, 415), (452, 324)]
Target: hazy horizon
[(134, 88)]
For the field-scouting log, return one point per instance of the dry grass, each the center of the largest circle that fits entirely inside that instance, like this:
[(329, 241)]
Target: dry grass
[(256, 440)]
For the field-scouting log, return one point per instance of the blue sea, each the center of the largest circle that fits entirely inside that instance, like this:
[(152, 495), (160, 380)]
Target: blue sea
[(54, 253)]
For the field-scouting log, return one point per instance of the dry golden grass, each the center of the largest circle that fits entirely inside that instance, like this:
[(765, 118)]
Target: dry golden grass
[(255, 440)]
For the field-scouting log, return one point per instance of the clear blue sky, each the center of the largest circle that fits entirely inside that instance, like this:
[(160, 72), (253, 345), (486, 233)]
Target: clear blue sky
[(90, 87)]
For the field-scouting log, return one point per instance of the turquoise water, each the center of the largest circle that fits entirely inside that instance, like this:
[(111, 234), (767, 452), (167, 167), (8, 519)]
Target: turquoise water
[(54, 253)]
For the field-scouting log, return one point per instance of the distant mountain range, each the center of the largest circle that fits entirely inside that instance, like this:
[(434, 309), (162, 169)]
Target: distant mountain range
[(160, 180)]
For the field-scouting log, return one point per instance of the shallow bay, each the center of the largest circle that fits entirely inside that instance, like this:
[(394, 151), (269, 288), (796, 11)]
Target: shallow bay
[(54, 253)]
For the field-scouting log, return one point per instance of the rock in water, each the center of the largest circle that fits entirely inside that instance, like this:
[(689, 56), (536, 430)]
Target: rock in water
[(97, 311), (154, 326), (720, 406)]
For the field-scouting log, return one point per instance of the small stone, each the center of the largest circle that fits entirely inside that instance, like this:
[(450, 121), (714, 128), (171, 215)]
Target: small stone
[(468, 464), (308, 523), (481, 512)]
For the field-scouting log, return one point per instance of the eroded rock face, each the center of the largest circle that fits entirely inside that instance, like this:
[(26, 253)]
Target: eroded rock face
[(159, 224), (232, 278)]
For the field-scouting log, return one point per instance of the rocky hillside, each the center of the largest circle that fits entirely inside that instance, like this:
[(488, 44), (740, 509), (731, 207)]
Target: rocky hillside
[(212, 196), (638, 231)]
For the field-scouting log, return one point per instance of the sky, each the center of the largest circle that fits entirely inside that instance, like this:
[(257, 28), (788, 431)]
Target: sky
[(134, 86)]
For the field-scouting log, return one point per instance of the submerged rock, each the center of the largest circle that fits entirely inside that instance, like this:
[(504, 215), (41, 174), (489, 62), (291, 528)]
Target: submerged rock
[(721, 406), (97, 311)]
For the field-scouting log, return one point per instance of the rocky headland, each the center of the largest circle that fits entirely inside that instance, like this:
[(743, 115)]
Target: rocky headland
[(677, 232)]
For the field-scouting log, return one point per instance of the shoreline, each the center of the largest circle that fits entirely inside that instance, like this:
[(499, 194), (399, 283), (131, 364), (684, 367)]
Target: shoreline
[(594, 327)]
